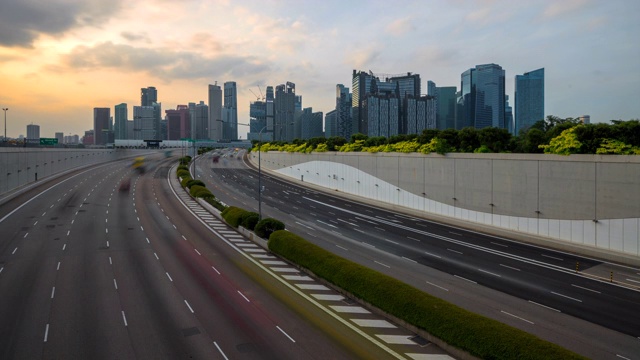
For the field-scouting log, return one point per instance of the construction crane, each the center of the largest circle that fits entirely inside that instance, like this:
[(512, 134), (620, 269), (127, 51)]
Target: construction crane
[(254, 94), (262, 96)]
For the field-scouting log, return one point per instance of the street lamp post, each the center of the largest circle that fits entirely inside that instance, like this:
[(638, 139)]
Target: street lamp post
[(260, 173), (5, 123)]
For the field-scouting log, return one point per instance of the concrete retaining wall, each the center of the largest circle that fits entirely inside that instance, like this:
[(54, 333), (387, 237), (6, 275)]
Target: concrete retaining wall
[(21, 166), (589, 200)]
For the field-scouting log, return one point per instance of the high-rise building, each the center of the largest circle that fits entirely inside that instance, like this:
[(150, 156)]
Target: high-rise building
[(33, 134), (120, 126), (101, 125), (60, 138), (149, 97), (508, 115), (178, 123), (445, 99), (284, 106), (420, 114), (344, 124), (88, 138), (382, 115), (192, 116), (482, 97), (257, 120), (270, 106), (360, 86), (330, 124), (585, 119), (230, 111), (144, 123), (529, 99), (215, 112), (202, 121)]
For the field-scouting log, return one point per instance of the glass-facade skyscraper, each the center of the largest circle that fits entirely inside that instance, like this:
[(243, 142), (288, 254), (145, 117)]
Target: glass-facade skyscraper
[(121, 117), (529, 99), (215, 112), (482, 97), (230, 111)]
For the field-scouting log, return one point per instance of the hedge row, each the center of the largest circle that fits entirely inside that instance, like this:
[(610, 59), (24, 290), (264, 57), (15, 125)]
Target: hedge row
[(480, 336), (249, 220), (197, 188)]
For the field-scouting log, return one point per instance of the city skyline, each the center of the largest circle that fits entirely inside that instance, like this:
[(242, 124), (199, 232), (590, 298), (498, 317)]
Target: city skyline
[(98, 56)]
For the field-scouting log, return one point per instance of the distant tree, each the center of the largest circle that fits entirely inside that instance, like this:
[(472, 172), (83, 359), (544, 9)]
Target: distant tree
[(358, 136), (468, 139), (496, 139), (335, 142), (375, 141), (427, 135), (564, 144), (532, 141)]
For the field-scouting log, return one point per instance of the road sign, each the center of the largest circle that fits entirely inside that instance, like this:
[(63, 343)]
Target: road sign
[(48, 141)]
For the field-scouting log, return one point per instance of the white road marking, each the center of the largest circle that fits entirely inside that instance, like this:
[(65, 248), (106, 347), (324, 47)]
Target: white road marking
[(46, 332), (552, 257), (14, 251), (241, 294), (148, 241), (34, 224), (409, 237), (216, 270), (434, 255), (110, 262), (622, 357), (1, 268), (285, 334), (157, 258), (72, 221), (53, 292), (184, 237), (189, 306), (393, 242), (58, 267), (25, 235), (115, 284), (169, 276), (141, 228), (68, 232), (368, 244), (174, 227), (490, 273), (220, 350), (322, 222), (438, 286), (503, 245), (124, 318), (517, 317), (584, 288), (465, 279), (197, 251), (455, 251), (544, 306), (509, 267), (565, 296), (107, 243), (410, 260), (379, 263)]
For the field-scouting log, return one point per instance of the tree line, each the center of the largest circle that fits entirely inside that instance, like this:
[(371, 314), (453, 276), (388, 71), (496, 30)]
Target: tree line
[(552, 135)]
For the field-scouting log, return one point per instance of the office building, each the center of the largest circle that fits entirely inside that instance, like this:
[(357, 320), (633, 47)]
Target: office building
[(529, 99), (201, 121), (482, 97), (258, 121), (508, 115), (585, 119), (445, 99), (230, 111), (360, 87), (101, 125), (33, 134), (382, 115), (420, 114), (88, 138), (344, 124), (310, 124), (144, 123), (149, 97), (284, 110), (270, 100), (120, 126), (178, 123), (215, 112), (331, 124), (60, 138)]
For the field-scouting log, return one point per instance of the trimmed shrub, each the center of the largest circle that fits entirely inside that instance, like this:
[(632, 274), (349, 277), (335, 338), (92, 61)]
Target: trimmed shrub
[(185, 160), (215, 203), (233, 215), (480, 336), (183, 173), (182, 167), (185, 180), (265, 227), (193, 182), (249, 220), (200, 191)]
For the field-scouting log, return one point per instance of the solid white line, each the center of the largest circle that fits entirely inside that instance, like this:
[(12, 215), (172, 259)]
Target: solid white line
[(544, 306), (584, 288), (495, 243), (439, 287), (46, 332), (434, 255), (410, 260), (517, 317), (53, 292), (115, 284), (635, 281), (393, 242), (552, 257), (510, 267), (409, 237), (465, 279), (622, 357), (455, 251), (157, 258), (565, 296), (220, 350), (285, 334), (169, 276), (216, 270), (189, 306), (379, 263), (124, 318), (197, 251), (241, 294), (490, 273)]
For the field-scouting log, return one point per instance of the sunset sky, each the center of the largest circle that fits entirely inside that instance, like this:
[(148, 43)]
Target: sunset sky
[(61, 58)]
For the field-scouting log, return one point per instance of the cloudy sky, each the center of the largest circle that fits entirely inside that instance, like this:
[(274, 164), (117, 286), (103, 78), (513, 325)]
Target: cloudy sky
[(61, 58)]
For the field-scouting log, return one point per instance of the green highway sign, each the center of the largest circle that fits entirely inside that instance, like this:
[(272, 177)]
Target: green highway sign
[(48, 141)]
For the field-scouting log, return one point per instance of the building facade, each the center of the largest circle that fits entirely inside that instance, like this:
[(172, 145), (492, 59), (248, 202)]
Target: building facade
[(215, 112), (149, 97), (201, 121), (284, 110), (420, 114), (529, 99), (33, 134), (482, 97), (178, 123), (120, 126), (101, 125), (144, 123), (331, 124), (344, 123)]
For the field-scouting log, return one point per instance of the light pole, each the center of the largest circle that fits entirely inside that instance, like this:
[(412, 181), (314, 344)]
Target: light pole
[(260, 173), (5, 123)]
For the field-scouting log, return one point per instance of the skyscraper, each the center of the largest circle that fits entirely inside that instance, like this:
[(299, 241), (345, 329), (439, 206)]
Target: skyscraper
[(285, 107), (270, 106), (215, 112), (529, 99), (230, 111), (143, 123), (445, 100), (121, 118), (257, 120), (360, 86), (201, 121), (311, 124), (33, 134), (101, 125), (419, 114), (149, 97), (330, 124), (483, 97), (344, 124), (178, 123)]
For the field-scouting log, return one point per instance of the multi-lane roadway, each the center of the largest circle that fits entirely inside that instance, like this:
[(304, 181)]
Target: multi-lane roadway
[(91, 272), (529, 287)]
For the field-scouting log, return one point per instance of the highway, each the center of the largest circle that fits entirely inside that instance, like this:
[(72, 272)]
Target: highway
[(529, 287), (91, 272)]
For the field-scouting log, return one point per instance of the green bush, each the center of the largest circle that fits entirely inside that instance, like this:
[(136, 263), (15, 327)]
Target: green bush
[(193, 182), (182, 167), (480, 336), (249, 220), (200, 191), (185, 160), (183, 173), (215, 203), (185, 180), (233, 215), (265, 227)]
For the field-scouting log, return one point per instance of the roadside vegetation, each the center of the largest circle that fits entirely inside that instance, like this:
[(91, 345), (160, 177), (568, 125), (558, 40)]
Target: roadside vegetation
[(550, 136)]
